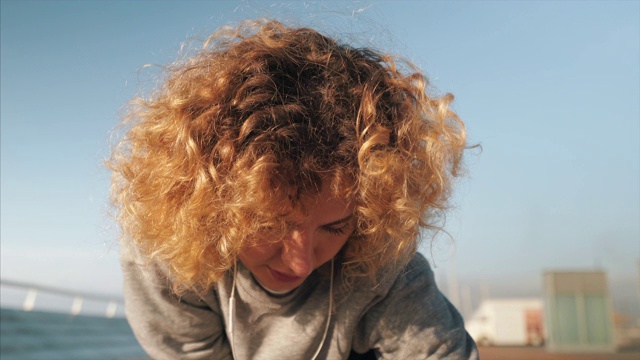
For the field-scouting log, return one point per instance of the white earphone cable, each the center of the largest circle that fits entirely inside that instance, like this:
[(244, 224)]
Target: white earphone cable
[(326, 327), (232, 311), (232, 307)]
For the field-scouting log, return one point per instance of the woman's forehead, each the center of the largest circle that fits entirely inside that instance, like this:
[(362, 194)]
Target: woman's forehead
[(321, 209), (328, 199)]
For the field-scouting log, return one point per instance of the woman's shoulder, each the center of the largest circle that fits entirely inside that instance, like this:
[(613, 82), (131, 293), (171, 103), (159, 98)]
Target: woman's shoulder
[(418, 266), (395, 276)]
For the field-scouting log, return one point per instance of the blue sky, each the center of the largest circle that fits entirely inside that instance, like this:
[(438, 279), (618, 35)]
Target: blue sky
[(549, 89)]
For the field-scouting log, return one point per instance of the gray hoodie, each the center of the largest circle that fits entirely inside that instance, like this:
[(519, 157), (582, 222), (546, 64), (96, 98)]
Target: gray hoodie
[(403, 315)]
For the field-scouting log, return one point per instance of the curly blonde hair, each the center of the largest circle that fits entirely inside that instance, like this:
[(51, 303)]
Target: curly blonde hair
[(263, 116)]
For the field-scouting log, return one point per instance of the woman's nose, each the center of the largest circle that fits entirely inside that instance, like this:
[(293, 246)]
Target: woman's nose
[(298, 253)]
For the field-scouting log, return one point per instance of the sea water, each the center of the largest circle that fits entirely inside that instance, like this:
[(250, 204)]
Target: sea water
[(47, 335)]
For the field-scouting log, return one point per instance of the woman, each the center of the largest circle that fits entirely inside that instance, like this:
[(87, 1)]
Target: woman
[(271, 194)]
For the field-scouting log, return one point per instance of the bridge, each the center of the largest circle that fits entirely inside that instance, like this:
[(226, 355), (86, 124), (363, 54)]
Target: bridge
[(77, 298)]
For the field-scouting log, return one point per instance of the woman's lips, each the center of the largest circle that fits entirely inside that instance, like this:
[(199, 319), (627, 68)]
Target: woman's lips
[(283, 277)]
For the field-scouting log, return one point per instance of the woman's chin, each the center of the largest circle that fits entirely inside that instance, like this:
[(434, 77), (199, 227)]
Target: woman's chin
[(277, 282)]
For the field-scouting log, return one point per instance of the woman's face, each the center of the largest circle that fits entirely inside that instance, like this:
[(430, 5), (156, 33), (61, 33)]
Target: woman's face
[(314, 239)]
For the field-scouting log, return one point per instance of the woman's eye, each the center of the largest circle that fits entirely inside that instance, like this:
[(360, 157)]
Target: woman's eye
[(336, 231)]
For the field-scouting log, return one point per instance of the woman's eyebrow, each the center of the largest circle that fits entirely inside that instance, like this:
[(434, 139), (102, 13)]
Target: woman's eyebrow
[(345, 219)]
